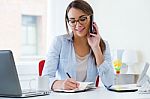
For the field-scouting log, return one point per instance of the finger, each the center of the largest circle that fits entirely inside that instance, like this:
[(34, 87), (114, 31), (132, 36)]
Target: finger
[(72, 85), (95, 25), (96, 28), (72, 80), (69, 85), (78, 84), (91, 34)]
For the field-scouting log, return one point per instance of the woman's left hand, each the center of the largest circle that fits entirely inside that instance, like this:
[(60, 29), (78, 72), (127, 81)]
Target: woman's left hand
[(94, 39)]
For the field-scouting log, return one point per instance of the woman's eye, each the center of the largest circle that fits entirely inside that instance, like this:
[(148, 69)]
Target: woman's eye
[(72, 21), (83, 19)]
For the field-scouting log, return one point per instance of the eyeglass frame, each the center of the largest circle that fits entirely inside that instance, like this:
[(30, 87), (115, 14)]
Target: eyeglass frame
[(78, 20)]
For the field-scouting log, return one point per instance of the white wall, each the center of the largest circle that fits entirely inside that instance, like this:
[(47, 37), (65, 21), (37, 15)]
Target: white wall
[(10, 27), (11, 12), (56, 18), (125, 24), (10, 33)]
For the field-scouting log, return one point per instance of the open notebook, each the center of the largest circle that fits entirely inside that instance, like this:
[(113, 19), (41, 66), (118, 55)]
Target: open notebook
[(84, 86)]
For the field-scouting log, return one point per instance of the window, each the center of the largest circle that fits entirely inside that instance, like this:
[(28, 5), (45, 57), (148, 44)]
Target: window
[(29, 36)]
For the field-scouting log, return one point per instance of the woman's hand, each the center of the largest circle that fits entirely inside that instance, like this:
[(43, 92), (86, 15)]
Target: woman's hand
[(68, 84), (94, 39)]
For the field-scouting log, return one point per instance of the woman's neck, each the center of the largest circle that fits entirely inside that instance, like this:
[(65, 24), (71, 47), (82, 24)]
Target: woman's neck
[(80, 41), (81, 46)]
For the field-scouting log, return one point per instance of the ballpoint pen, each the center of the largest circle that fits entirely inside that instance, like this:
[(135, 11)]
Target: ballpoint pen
[(74, 82), (68, 75)]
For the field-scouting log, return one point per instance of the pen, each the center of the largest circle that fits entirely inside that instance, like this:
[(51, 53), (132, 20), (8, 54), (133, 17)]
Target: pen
[(73, 82), (68, 75)]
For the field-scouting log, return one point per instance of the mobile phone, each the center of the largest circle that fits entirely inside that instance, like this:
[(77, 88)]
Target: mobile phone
[(91, 30)]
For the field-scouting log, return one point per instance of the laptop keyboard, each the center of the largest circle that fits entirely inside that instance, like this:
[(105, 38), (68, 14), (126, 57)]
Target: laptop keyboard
[(31, 93)]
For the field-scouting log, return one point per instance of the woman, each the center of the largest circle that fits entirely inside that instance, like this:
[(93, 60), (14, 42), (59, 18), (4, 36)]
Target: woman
[(81, 54)]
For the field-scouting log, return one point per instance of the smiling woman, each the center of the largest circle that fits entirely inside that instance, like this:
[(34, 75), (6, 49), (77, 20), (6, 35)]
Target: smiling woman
[(78, 52)]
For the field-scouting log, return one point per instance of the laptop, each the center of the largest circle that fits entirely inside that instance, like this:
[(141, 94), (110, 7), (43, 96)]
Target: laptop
[(9, 81), (130, 87)]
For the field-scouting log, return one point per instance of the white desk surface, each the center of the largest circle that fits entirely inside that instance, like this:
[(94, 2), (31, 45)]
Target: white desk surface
[(99, 93)]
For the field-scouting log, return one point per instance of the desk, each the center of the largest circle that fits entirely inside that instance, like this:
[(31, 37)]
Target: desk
[(99, 93)]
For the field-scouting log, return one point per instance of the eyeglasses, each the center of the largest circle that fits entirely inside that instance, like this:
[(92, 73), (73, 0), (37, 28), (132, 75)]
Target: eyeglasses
[(82, 20)]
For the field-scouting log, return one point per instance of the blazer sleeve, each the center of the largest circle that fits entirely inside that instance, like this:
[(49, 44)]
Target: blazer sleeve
[(105, 70), (52, 60)]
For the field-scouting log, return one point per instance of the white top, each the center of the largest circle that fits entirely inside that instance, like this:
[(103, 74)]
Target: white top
[(81, 67)]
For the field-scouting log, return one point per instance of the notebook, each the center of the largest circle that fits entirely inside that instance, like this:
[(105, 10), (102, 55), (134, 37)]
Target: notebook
[(9, 81), (130, 87), (83, 86), (124, 88)]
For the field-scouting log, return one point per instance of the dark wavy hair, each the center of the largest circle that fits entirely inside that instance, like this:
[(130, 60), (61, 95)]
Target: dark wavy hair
[(86, 8)]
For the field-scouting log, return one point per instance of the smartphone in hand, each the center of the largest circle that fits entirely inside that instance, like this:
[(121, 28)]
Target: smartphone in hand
[(91, 30)]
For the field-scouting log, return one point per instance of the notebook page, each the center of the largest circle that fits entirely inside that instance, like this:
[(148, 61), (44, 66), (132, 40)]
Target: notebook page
[(82, 87)]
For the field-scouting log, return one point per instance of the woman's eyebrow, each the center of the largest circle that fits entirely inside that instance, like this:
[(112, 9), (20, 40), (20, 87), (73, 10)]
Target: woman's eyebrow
[(71, 18), (79, 17)]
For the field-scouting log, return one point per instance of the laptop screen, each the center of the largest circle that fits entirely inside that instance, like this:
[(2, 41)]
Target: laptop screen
[(9, 82)]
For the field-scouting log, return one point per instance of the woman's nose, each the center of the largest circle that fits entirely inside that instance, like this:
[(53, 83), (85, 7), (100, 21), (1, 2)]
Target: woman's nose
[(78, 24)]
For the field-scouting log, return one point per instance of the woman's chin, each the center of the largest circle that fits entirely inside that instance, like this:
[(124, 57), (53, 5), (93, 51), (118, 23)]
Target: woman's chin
[(81, 34)]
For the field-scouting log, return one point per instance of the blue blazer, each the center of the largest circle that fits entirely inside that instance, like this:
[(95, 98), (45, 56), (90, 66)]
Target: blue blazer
[(61, 59)]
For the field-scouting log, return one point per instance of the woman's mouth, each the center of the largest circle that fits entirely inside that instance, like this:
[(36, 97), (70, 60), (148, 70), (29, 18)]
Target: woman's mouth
[(80, 29)]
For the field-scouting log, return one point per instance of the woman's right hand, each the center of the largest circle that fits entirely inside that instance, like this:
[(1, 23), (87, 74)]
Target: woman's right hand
[(68, 84)]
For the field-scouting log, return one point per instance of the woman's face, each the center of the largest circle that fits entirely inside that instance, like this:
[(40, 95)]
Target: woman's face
[(79, 22)]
